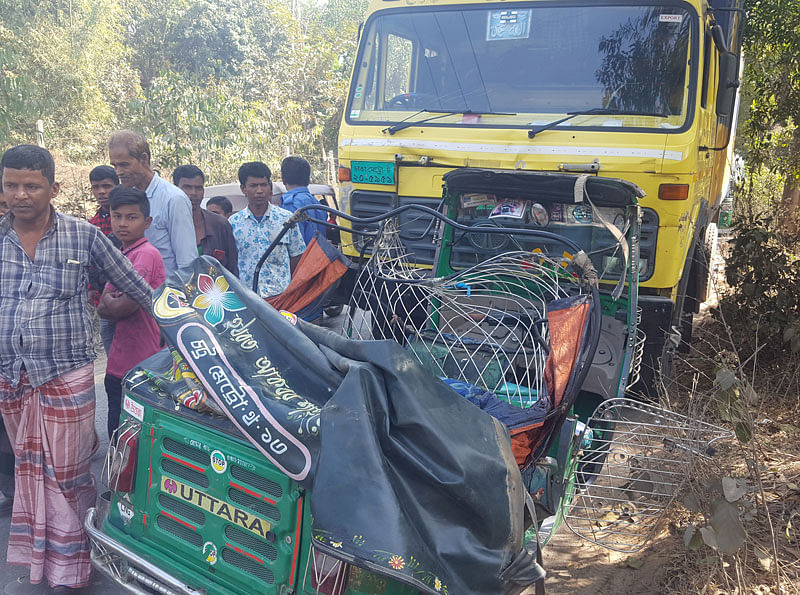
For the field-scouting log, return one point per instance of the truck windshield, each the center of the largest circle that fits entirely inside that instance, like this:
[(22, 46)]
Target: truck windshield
[(523, 66)]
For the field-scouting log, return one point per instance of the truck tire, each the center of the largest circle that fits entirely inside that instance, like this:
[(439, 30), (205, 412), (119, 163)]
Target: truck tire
[(699, 285), (701, 279), (708, 256)]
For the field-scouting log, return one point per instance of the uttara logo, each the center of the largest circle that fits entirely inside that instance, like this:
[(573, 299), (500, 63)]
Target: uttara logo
[(215, 298), (170, 485)]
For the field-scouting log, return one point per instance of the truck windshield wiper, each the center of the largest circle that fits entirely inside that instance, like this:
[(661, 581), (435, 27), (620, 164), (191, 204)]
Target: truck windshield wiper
[(403, 124), (590, 112)]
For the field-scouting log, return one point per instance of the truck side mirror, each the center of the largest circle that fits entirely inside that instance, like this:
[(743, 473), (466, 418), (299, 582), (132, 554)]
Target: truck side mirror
[(728, 83)]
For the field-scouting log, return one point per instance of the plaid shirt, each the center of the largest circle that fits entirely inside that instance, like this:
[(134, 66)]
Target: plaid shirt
[(103, 221), (44, 320)]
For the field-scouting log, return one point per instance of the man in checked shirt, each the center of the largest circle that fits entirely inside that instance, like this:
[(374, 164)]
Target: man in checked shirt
[(47, 396)]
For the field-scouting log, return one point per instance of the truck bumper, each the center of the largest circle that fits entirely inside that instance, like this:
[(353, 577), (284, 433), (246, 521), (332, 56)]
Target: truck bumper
[(129, 570)]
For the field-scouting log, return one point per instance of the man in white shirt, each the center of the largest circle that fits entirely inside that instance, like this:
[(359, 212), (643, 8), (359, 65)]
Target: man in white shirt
[(172, 230)]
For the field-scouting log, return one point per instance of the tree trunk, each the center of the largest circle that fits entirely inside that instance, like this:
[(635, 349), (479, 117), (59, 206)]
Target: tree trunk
[(790, 202)]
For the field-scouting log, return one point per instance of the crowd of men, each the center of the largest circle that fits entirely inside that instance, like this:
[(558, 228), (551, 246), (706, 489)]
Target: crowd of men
[(55, 270)]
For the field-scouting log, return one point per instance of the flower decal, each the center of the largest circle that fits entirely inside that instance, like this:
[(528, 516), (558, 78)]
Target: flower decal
[(437, 584), (397, 562), (215, 298), (336, 544)]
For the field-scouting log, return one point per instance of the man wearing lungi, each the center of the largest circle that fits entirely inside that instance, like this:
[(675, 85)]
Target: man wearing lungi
[(47, 394)]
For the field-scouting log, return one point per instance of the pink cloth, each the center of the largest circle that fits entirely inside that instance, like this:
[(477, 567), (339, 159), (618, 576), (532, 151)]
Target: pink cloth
[(137, 337), (51, 428)]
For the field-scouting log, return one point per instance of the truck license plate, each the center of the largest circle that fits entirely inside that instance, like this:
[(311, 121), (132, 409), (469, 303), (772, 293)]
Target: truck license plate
[(372, 172)]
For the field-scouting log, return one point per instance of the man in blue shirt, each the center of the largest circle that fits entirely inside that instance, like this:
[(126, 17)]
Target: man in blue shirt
[(296, 175), (172, 230)]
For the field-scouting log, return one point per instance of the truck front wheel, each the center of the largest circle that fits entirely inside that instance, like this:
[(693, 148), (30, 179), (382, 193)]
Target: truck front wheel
[(702, 275)]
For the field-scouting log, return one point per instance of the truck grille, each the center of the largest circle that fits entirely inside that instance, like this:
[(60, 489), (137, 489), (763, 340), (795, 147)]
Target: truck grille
[(256, 481), (182, 472), (188, 512), (186, 451), (417, 227), (260, 511), (258, 506)]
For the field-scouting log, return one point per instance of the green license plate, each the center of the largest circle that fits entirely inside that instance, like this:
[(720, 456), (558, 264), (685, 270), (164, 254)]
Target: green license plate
[(372, 172)]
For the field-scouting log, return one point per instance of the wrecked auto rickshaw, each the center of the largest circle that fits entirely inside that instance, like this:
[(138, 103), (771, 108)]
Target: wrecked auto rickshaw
[(472, 403)]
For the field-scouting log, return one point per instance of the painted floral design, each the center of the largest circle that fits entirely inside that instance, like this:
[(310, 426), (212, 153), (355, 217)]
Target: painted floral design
[(408, 565), (397, 562), (215, 298)]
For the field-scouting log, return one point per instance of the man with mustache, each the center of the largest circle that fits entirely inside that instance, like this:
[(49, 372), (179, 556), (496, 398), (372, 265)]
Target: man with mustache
[(47, 396)]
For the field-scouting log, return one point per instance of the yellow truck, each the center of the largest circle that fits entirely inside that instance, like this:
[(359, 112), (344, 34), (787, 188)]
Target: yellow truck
[(641, 91)]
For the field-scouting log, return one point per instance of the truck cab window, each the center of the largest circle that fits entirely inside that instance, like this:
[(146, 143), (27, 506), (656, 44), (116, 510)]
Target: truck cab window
[(547, 60), (399, 52), (706, 69)]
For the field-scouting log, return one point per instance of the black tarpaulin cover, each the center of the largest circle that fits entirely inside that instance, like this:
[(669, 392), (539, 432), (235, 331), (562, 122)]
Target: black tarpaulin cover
[(405, 477)]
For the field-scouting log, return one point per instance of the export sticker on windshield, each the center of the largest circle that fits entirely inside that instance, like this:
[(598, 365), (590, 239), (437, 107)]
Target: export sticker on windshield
[(372, 172), (508, 24), (670, 18)]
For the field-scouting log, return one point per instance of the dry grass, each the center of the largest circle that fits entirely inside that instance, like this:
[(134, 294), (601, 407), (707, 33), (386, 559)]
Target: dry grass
[(769, 464)]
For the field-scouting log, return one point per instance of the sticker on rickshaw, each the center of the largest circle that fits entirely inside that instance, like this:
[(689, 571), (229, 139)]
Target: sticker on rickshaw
[(289, 316), (210, 552), (218, 462), (125, 511), (134, 408)]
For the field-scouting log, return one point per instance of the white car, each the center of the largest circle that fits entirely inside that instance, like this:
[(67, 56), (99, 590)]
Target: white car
[(326, 194)]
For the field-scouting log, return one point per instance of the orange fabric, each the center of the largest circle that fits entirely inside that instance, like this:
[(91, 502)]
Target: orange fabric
[(521, 447), (566, 334), (314, 274)]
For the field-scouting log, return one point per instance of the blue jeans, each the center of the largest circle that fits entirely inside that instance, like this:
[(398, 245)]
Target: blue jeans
[(107, 333)]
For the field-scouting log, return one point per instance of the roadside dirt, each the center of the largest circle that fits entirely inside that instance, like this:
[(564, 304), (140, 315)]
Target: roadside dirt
[(769, 465), (578, 567)]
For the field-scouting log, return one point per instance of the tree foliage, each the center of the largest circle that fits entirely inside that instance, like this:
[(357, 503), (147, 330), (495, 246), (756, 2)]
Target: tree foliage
[(66, 67), (772, 77), (211, 82), (772, 54), (763, 274)]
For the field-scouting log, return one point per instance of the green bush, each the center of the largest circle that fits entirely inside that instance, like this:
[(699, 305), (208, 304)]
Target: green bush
[(762, 306)]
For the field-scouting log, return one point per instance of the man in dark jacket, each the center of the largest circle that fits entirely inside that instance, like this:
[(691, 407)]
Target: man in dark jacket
[(213, 233)]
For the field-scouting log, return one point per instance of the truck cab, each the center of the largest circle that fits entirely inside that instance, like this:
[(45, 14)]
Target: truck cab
[(644, 92)]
